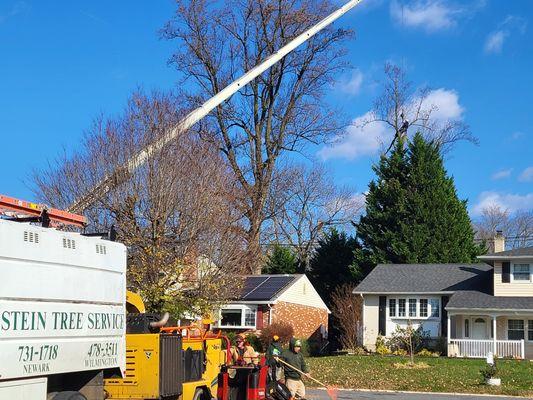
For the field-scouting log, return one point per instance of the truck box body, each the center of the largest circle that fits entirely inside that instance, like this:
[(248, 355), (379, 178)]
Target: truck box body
[(62, 302)]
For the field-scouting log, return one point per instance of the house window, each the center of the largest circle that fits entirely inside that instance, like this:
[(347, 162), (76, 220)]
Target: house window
[(530, 330), (238, 317), (392, 307), (401, 307), (412, 307), (231, 317), (423, 307), (435, 308), (521, 272), (467, 328), (515, 329), (249, 317)]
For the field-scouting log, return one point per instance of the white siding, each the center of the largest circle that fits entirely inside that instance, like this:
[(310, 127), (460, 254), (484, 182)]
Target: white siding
[(430, 324), (370, 321), (302, 292), (512, 288)]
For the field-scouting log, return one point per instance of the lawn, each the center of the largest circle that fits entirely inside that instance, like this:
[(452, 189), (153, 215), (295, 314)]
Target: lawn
[(442, 375)]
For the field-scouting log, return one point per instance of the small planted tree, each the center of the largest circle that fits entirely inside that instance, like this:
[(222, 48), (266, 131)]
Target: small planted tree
[(409, 339)]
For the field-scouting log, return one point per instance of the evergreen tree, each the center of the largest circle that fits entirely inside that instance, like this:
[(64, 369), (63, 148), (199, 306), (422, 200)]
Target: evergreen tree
[(281, 260), (386, 211), (331, 265), (413, 214)]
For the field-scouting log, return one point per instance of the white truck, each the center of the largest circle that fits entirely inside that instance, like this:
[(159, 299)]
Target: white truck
[(62, 312)]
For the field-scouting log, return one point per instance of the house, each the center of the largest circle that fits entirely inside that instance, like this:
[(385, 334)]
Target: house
[(265, 299), (477, 308)]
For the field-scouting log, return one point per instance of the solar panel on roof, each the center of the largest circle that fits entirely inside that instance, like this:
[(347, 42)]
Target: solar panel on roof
[(268, 288), (251, 283)]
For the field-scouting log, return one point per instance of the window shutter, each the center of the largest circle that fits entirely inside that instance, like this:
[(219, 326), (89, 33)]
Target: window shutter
[(506, 272), (382, 315), (444, 316)]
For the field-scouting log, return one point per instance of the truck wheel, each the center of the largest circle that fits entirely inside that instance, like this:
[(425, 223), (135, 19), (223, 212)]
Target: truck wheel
[(69, 396), (201, 394)]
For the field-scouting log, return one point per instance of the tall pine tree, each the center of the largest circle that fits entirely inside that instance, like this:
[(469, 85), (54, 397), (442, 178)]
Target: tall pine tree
[(413, 214), (281, 260), (332, 263)]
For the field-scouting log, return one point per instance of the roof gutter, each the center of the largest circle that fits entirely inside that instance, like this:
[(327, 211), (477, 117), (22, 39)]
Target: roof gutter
[(497, 258), (481, 310), (262, 302), (403, 293)]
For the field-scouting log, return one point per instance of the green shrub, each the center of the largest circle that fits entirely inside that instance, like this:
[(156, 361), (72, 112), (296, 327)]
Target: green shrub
[(231, 336), (489, 371), (382, 347), (255, 342), (310, 348), (400, 352), (428, 353)]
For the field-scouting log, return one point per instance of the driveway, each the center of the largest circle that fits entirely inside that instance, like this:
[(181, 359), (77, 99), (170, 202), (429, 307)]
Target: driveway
[(317, 394)]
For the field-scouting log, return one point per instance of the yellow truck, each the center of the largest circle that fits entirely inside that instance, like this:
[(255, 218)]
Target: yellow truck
[(166, 362)]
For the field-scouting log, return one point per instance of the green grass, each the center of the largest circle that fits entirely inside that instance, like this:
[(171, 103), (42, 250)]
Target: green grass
[(443, 375)]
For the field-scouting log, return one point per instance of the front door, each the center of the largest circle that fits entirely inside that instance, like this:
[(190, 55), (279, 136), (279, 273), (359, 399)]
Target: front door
[(479, 328)]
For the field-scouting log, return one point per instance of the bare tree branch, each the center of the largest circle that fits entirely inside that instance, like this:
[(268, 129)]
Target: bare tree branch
[(280, 111)]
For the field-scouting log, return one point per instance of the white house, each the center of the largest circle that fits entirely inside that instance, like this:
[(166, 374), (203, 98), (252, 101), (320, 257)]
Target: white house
[(478, 308)]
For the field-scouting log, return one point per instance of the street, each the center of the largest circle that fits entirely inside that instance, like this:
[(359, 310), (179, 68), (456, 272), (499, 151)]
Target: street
[(318, 394)]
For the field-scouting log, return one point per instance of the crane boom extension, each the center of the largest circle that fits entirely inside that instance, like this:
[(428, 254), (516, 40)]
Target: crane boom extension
[(121, 174)]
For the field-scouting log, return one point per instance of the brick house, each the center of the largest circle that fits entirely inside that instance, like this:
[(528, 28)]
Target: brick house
[(266, 299)]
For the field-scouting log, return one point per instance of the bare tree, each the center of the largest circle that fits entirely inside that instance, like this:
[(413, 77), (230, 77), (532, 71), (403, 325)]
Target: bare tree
[(517, 227), (303, 203), (400, 106), (347, 311), (177, 213), (282, 110)]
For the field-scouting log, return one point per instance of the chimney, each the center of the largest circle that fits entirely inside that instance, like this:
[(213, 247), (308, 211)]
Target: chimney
[(499, 242)]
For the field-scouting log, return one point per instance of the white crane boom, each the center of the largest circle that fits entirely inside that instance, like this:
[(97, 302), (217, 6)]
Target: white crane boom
[(193, 117)]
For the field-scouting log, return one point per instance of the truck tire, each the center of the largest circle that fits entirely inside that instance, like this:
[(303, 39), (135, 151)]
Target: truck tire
[(69, 396), (201, 394)]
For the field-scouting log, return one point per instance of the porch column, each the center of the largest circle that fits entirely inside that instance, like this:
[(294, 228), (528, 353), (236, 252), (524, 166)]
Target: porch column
[(494, 345), (448, 331)]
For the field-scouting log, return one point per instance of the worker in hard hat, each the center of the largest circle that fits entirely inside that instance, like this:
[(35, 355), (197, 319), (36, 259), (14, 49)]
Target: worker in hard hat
[(274, 350), (242, 353), (293, 378)]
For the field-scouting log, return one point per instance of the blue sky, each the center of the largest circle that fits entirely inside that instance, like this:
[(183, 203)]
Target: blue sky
[(62, 63)]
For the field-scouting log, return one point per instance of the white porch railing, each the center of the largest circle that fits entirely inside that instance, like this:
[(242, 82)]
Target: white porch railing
[(472, 348)]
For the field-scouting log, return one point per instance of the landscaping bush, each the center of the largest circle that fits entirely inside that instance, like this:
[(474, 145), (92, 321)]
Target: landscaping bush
[(283, 330), (400, 352), (358, 351), (255, 342), (405, 338), (382, 346), (441, 346), (231, 336), (427, 353), (310, 348), (489, 371)]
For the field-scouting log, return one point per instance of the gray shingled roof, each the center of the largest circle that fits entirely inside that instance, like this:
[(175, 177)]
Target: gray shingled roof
[(426, 278), (478, 300), (519, 252)]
